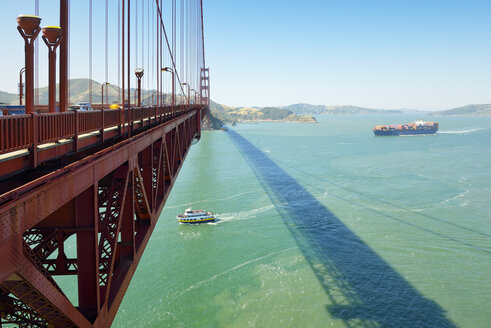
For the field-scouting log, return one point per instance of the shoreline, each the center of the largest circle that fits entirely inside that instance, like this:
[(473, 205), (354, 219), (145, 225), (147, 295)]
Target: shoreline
[(275, 121)]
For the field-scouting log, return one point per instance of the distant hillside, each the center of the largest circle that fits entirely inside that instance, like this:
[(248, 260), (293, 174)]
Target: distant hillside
[(79, 92), (309, 109), (9, 98), (229, 114), (469, 110)]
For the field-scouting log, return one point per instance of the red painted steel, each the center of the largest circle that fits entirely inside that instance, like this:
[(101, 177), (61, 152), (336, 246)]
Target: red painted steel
[(205, 85), (52, 37), (64, 56), (29, 35), (15, 132), (28, 132), (95, 179), (108, 204)]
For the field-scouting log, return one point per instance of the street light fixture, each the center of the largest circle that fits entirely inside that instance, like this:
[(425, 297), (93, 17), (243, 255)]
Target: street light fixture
[(105, 84), (52, 37), (168, 69), (139, 75), (29, 30), (189, 88)]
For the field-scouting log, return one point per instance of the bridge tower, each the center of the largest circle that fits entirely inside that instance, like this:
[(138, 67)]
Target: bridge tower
[(205, 85)]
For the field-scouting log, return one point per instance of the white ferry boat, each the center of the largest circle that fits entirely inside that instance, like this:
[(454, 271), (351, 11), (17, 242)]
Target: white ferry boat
[(196, 216)]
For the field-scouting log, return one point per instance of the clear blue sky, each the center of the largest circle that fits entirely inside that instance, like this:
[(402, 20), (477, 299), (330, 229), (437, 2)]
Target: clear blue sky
[(430, 54), (389, 54)]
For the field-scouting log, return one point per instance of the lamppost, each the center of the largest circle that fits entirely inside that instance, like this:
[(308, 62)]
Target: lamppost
[(52, 37), (21, 85), (195, 96), (168, 69), (105, 84), (187, 85), (139, 75), (29, 30), (153, 100)]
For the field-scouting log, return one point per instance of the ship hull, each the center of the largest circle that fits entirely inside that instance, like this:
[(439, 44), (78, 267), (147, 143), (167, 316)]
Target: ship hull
[(189, 221), (403, 133)]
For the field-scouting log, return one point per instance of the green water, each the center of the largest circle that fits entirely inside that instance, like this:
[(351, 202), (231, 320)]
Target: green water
[(324, 225)]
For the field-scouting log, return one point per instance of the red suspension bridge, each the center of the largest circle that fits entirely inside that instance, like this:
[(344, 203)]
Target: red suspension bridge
[(97, 179)]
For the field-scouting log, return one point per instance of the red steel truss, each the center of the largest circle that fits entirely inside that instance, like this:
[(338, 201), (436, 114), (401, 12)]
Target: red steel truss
[(36, 138), (107, 204)]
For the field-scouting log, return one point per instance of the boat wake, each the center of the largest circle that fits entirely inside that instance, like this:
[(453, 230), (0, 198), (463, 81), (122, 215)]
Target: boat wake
[(459, 131), (244, 215)]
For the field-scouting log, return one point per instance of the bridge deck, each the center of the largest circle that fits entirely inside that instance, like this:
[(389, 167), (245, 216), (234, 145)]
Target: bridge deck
[(26, 141), (110, 202)]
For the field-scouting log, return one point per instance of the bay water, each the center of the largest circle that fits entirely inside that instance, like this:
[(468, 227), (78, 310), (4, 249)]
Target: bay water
[(324, 225)]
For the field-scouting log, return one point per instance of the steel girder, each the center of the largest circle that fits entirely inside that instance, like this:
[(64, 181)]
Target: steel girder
[(107, 206)]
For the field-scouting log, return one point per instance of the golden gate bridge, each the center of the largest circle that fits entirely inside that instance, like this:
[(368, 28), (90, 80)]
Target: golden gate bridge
[(94, 179)]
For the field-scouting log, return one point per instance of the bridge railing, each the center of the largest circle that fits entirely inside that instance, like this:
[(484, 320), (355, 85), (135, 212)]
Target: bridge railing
[(28, 132), (112, 117), (90, 121), (55, 126), (15, 132)]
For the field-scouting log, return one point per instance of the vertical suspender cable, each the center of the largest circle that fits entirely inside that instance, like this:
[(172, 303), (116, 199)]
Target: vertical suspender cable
[(198, 26), (165, 55), (106, 77), (136, 35), (157, 57), (173, 43), (136, 65), (160, 60), (191, 43), (129, 63), (143, 46), (189, 49), (119, 51), (195, 53), (195, 64), (68, 31), (136, 47), (198, 45), (149, 41), (159, 13), (90, 52), (153, 43), (36, 60), (195, 44), (122, 66), (188, 46), (181, 37), (203, 48), (148, 44)]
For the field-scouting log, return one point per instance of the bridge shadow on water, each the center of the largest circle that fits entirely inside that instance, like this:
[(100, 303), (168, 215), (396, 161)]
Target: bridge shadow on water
[(364, 290)]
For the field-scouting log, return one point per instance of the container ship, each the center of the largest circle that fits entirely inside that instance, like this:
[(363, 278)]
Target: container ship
[(418, 127)]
